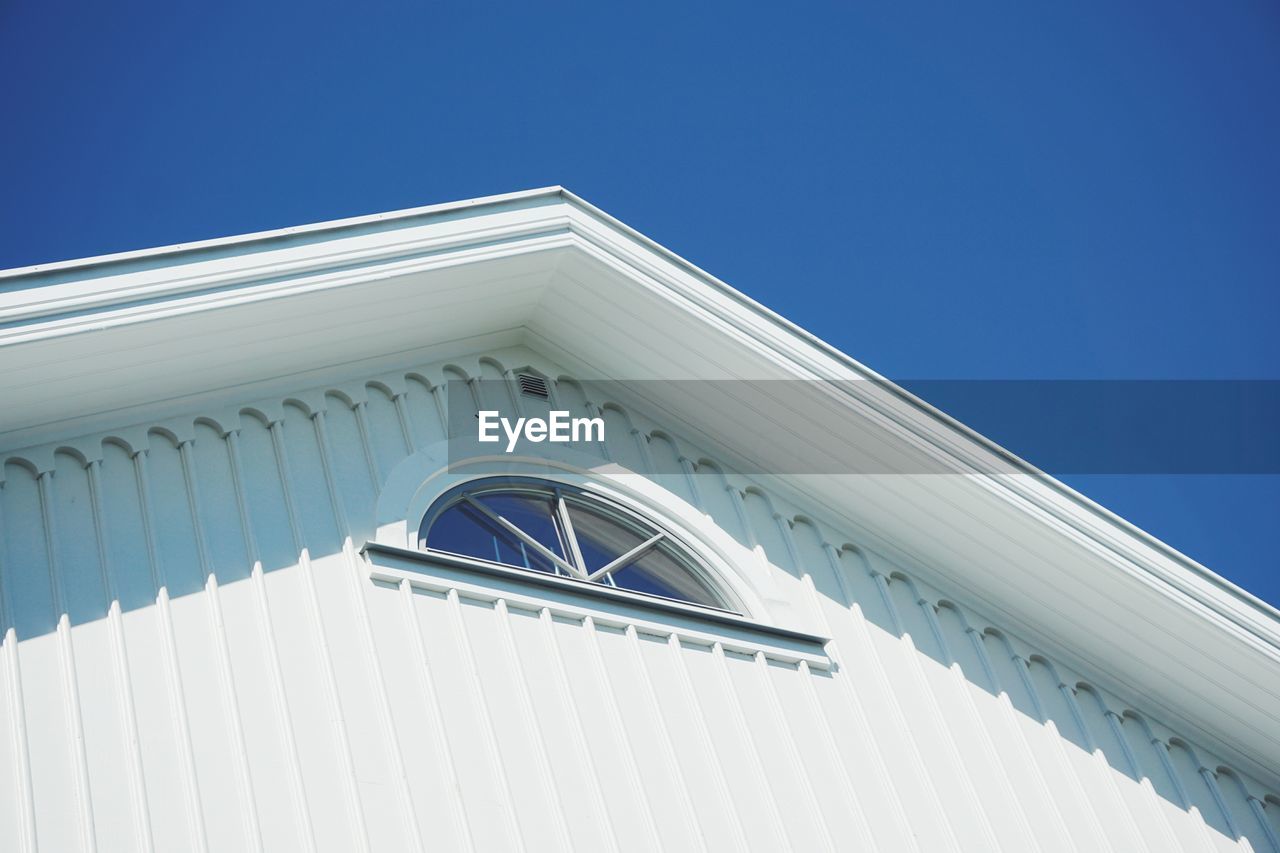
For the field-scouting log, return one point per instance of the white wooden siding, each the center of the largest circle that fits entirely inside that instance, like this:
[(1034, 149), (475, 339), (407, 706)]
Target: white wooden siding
[(195, 658)]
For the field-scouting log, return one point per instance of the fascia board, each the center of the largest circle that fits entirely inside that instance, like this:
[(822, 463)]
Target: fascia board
[(31, 309), (807, 356), (240, 243), (1192, 600)]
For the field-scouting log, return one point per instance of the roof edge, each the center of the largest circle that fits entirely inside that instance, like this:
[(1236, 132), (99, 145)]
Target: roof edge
[(1099, 512), (236, 240)]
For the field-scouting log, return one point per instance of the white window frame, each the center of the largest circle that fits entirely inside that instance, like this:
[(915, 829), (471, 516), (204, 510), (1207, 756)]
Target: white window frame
[(573, 565)]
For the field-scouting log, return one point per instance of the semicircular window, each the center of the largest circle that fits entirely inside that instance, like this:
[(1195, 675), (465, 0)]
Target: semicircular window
[(557, 529)]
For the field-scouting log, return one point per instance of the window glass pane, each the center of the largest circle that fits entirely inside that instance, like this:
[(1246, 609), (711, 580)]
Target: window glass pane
[(659, 572), (603, 534), (532, 513), (462, 529), (602, 538)]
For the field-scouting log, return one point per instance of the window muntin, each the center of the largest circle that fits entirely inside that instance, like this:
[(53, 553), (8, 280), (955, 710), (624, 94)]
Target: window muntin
[(557, 529), (601, 537), (464, 529)]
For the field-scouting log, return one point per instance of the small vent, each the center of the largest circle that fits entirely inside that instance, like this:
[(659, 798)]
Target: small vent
[(533, 386)]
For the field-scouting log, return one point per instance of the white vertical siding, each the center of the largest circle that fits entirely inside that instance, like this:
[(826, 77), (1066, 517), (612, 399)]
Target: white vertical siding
[(193, 657)]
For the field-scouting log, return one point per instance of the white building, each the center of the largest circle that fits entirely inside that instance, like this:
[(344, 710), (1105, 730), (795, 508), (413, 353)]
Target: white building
[(220, 631)]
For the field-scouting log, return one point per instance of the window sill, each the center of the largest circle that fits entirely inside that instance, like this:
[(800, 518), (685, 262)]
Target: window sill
[(486, 581)]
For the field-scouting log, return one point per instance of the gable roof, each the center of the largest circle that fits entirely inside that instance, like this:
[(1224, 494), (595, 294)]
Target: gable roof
[(161, 328)]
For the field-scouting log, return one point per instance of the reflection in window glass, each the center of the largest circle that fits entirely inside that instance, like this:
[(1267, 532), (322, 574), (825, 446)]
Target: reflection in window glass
[(659, 573), (462, 529), (548, 527), (601, 538), (531, 513)]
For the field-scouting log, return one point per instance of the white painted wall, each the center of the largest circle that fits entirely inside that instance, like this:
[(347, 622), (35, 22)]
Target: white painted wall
[(195, 657)]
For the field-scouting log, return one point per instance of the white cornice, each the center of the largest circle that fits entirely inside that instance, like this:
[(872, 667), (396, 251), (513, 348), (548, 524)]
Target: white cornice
[(120, 326), (174, 254), (815, 358)]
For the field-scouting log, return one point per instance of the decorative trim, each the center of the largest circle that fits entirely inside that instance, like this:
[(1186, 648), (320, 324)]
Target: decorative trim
[(487, 581)]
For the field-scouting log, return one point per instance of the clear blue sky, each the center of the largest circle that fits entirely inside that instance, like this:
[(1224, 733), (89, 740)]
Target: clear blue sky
[(985, 190)]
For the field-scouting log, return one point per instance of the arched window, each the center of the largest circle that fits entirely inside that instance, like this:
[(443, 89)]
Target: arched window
[(557, 529)]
